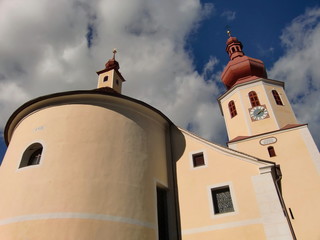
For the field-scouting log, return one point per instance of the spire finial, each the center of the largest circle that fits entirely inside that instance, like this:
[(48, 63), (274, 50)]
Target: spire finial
[(114, 53), (228, 30)]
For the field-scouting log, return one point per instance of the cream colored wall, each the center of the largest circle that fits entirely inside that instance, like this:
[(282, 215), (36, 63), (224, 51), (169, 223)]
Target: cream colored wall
[(112, 80), (254, 231), (284, 113), (223, 167), (74, 228), (299, 162), (242, 125), (240, 119), (97, 176)]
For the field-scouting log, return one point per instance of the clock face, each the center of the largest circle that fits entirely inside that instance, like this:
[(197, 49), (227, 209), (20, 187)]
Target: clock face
[(258, 113)]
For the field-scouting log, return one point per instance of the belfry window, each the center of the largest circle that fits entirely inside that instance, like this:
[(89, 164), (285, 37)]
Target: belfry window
[(105, 78), (271, 151), (254, 100), (232, 109), (32, 155), (222, 200), (277, 97)]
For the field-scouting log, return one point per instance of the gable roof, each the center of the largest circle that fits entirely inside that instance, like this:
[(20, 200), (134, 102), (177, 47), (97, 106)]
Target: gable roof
[(228, 151)]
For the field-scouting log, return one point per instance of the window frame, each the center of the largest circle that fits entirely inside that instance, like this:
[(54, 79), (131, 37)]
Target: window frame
[(254, 99), (277, 98), (26, 156), (232, 109), (194, 160), (271, 151), (233, 198), (191, 154)]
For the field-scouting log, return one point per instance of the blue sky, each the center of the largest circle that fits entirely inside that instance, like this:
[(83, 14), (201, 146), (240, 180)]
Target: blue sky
[(170, 52), (258, 24)]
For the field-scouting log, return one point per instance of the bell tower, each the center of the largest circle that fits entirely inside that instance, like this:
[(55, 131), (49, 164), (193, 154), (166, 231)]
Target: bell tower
[(261, 122), (252, 104), (110, 77)]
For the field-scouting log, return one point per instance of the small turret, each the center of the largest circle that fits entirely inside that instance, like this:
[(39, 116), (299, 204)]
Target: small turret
[(110, 77)]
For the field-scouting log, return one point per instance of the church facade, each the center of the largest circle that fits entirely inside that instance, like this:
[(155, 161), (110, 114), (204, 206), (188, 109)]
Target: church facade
[(95, 164)]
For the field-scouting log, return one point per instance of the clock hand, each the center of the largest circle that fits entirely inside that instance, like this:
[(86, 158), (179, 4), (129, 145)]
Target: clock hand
[(260, 111)]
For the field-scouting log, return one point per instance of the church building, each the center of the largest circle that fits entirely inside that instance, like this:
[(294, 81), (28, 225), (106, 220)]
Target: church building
[(96, 164)]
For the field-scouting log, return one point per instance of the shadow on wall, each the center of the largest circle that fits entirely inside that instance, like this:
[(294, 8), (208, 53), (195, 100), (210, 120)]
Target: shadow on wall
[(178, 142)]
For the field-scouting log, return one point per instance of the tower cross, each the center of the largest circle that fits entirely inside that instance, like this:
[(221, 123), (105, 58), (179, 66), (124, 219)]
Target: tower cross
[(114, 53)]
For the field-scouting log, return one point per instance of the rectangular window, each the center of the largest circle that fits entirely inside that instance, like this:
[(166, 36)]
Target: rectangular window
[(198, 160), (222, 201), (272, 152)]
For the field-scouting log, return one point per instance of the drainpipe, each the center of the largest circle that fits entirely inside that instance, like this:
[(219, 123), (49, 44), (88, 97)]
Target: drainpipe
[(278, 176)]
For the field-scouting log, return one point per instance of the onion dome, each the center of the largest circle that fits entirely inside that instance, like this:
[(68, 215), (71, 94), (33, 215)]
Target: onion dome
[(112, 63), (240, 68)]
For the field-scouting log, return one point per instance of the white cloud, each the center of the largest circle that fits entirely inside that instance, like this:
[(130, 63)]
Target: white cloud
[(44, 49), (229, 15), (209, 67), (299, 68)]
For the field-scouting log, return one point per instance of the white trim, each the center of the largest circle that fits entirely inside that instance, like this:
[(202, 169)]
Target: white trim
[(274, 222), (265, 169), (204, 157), (233, 198), (73, 215), (222, 226)]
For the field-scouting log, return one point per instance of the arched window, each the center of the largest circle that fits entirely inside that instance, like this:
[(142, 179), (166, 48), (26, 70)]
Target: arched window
[(32, 155), (277, 97), (271, 151), (232, 109), (254, 100)]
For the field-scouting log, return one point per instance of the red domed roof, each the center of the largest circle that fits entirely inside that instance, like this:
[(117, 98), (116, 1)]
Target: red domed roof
[(232, 39), (240, 67), (112, 63)]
